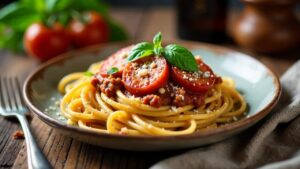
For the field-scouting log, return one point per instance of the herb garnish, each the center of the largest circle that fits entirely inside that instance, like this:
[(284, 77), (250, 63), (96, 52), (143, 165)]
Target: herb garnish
[(112, 70), (175, 54), (88, 74)]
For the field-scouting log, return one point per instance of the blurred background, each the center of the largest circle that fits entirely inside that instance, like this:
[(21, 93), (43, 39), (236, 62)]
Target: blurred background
[(144, 3), (262, 26)]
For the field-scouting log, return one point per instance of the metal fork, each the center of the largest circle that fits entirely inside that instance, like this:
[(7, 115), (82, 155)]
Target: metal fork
[(12, 105)]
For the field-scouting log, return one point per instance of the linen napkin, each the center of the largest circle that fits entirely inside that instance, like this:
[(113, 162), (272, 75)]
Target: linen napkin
[(272, 143)]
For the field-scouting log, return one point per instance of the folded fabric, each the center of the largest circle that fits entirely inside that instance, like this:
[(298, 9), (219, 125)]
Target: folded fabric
[(272, 143)]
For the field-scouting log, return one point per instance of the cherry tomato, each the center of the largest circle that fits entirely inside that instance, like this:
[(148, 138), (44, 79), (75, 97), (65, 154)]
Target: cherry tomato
[(93, 31), (44, 42), (195, 82), (117, 60), (145, 75)]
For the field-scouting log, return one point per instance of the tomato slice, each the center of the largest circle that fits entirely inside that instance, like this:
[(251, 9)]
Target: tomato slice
[(195, 82), (145, 75), (118, 60)]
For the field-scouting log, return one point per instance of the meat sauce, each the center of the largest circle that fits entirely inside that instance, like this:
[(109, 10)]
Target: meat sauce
[(107, 85), (170, 94), (173, 95)]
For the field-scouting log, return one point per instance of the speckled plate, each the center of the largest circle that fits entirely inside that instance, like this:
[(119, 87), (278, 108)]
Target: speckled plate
[(255, 81)]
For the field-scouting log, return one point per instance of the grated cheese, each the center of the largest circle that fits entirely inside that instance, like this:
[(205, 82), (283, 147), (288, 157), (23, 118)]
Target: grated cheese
[(161, 90), (142, 73)]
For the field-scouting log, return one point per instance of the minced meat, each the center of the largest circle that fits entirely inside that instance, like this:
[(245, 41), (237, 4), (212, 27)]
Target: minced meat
[(108, 85), (170, 94)]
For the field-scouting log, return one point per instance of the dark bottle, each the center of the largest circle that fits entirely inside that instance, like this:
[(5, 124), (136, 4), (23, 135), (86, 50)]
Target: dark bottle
[(202, 20)]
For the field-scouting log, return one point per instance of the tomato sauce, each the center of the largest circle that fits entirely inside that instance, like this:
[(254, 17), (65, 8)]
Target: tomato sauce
[(170, 94), (148, 79)]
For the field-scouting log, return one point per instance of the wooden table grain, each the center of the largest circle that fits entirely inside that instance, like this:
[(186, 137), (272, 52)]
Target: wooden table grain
[(65, 152)]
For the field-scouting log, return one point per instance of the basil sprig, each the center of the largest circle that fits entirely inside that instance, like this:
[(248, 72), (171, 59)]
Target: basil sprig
[(180, 57), (175, 54), (141, 50)]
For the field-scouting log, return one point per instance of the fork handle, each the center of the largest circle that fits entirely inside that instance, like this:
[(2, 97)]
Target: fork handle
[(36, 158)]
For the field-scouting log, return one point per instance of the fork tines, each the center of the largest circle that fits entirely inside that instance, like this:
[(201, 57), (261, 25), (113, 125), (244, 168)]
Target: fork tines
[(10, 94)]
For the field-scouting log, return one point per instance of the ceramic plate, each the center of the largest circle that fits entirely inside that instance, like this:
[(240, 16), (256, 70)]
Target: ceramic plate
[(259, 85)]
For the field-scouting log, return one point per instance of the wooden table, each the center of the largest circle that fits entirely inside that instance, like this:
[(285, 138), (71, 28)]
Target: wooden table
[(64, 152)]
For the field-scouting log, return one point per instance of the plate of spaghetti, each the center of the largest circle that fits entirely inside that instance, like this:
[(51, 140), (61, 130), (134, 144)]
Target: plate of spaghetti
[(150, 96)]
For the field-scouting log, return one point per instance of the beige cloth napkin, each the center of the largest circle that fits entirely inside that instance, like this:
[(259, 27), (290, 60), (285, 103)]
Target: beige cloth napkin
[(273, 143)]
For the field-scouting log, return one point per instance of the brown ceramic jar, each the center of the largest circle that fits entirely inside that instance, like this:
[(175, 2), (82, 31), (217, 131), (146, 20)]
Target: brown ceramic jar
[(267, 26)]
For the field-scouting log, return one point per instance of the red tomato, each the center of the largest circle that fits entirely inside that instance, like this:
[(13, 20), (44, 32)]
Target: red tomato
[(146, 75), (44, 43), (94, 31), (195, 82), (117, 60)]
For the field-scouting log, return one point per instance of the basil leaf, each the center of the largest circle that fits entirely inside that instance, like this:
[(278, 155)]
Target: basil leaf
[(90, 5), (180, 57), (140, 50), (112, 70), (35, 5), (57, 5), (88, 74), (64, 17), (158, 50), (157, 39), (7, 10), (18, 17), (10, 39)]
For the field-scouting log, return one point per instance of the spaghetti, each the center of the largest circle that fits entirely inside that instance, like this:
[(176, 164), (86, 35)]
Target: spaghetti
[(89, 108), (148, 89)]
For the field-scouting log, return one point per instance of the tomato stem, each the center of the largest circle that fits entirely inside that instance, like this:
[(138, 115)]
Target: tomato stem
[(78, 16), (52, 19)]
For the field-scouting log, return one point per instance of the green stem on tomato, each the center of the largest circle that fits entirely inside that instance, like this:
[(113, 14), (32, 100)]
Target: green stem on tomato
[(52, 19), (77, 15)]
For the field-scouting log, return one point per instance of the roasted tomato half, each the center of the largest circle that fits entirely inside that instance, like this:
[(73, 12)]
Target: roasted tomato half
[(195, 82), (117, 60), (146, 75)]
